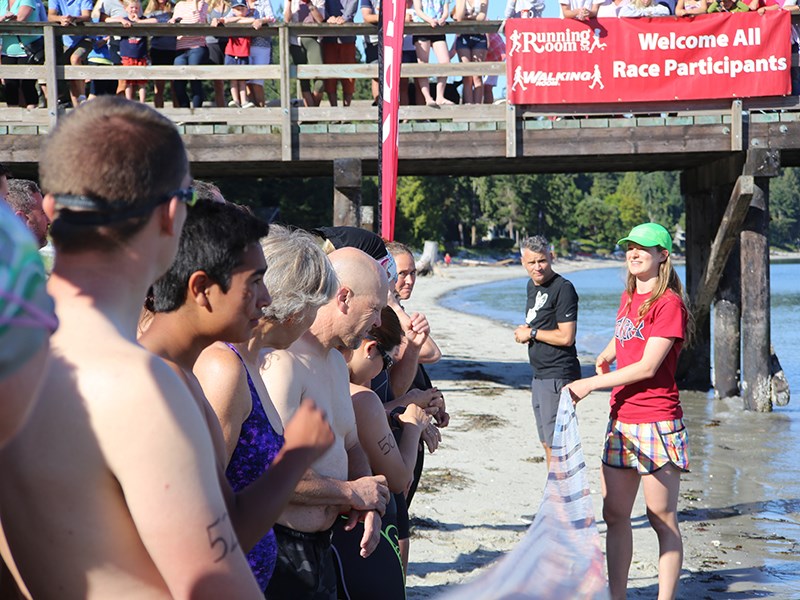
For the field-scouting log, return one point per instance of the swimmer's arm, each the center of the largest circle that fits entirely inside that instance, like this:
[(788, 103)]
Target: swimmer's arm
[(402, 373), (163, 459), (385, 455), (430, 352), (365, 493), (655, 351), (224, 382)]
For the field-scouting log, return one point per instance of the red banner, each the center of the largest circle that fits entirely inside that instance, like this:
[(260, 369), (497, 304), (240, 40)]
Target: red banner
[(555, 61), (393, 19)]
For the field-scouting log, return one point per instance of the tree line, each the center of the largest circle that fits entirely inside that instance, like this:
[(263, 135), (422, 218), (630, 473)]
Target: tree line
[(578, 212)]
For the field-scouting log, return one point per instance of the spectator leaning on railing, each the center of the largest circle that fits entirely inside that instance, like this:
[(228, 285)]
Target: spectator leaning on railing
[(260, 47), (730, 6), (76, 48), (471, 47), (162, 48), (191, 49), (306, 50), (21, 49), (434, 13), (643, 8), (237, 52), (340, 50)]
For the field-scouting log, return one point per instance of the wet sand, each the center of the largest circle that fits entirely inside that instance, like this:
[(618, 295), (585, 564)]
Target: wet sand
[(739, 507)]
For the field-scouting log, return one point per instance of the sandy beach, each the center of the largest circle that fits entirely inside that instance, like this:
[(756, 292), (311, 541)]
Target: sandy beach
[(481, 489)]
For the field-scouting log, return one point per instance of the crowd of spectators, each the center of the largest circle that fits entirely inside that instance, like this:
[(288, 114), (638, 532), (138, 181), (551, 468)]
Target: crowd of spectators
[(257, 50)]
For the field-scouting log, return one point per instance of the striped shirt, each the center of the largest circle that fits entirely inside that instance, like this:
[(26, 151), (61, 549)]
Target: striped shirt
[(189, 15)]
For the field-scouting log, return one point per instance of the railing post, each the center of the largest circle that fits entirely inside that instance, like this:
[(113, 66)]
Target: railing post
[(737, 130), (512, 119), (51, 54), (286, 97)]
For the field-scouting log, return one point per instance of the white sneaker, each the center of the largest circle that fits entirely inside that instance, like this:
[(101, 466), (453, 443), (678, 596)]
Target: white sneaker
[(233, 104), (248, 105)]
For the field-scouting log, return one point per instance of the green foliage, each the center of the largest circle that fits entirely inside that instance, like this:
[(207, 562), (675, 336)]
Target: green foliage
[(599, 222), (784, 208)]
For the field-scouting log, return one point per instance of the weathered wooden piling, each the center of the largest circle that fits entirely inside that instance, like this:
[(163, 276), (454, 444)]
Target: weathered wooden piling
[(756, 391), (347, 192)]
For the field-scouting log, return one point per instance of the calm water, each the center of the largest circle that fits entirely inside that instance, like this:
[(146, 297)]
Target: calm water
[(745, 478)]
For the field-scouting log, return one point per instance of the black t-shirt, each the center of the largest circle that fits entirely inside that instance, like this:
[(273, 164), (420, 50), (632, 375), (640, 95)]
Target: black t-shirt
[(548, 305)]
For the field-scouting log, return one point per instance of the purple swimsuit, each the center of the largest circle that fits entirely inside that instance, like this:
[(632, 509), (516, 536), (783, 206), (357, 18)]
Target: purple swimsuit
[(257, 447)]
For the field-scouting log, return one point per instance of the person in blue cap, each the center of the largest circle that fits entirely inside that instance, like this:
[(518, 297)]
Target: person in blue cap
[(646, 439)]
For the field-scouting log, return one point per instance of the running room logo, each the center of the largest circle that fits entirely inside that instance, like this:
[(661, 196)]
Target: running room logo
[(522, 79), (570, 40), (625, 330), (584, 41)]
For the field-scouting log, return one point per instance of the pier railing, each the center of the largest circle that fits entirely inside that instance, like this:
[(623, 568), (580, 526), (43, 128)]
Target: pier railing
[(286, 119)]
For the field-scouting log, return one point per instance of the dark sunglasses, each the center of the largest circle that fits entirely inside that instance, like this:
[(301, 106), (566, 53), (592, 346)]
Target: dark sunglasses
[(186, 195), (388, 361)]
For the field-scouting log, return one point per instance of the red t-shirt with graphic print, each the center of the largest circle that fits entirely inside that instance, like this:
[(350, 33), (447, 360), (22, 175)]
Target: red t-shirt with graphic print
[(654, 399)]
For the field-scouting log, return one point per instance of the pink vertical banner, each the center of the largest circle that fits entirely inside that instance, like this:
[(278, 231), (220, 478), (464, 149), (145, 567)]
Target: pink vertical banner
[(393, 17)]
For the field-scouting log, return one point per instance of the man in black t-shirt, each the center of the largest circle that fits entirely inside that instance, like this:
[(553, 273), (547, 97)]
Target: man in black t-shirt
[(551, 316)]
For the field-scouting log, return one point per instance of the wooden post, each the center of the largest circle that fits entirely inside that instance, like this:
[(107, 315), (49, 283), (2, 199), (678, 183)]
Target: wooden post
[(512, 139), (286, 94), (727, 313), (755, 302), (762, 164), (347, 192), (51, 53)]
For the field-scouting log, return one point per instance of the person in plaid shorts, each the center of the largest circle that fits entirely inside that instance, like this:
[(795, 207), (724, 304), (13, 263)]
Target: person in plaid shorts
[(646, 439)]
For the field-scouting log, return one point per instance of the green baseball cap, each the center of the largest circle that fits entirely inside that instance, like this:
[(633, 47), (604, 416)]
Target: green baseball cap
[(649, 235)]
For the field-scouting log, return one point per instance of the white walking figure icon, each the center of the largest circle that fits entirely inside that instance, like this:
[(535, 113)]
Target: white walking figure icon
[(516, 46), (596, 43), (597, 78), (518, 80)]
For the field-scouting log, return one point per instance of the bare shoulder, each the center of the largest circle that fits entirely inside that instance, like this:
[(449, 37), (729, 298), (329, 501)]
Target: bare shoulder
[(218, 356), (286, 360), (220, 365), (368, 409)]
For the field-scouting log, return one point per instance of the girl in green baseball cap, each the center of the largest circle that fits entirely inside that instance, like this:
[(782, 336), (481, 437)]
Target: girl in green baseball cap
[(646, 439)]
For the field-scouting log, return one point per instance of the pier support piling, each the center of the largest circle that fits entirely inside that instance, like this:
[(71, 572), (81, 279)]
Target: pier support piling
[(756, 384), (727, 334), (347, 192)]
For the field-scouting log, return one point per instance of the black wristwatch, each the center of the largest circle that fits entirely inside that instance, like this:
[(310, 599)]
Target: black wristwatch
[(533, 334)]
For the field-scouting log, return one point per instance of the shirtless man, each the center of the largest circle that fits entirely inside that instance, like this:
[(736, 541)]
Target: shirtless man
[(340, 481), (110, 490), (215, 291)]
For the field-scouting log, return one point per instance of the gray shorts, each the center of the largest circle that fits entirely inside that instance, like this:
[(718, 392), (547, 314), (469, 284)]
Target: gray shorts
[(545, 395)]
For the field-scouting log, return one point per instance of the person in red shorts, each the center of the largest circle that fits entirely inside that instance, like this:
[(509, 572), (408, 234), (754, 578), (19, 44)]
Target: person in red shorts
[(646, 439), (133, 49)]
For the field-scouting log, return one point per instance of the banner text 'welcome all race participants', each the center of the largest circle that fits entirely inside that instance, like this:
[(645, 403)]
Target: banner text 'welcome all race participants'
[(565, 61)]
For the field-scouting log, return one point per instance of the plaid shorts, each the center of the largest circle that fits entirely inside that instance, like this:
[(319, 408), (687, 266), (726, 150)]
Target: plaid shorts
[(646, 446)]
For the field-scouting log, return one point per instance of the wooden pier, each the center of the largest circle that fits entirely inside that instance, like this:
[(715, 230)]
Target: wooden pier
[(726, 150)]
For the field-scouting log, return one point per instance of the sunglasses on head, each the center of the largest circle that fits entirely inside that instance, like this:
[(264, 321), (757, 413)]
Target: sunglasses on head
[(94, 211)]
